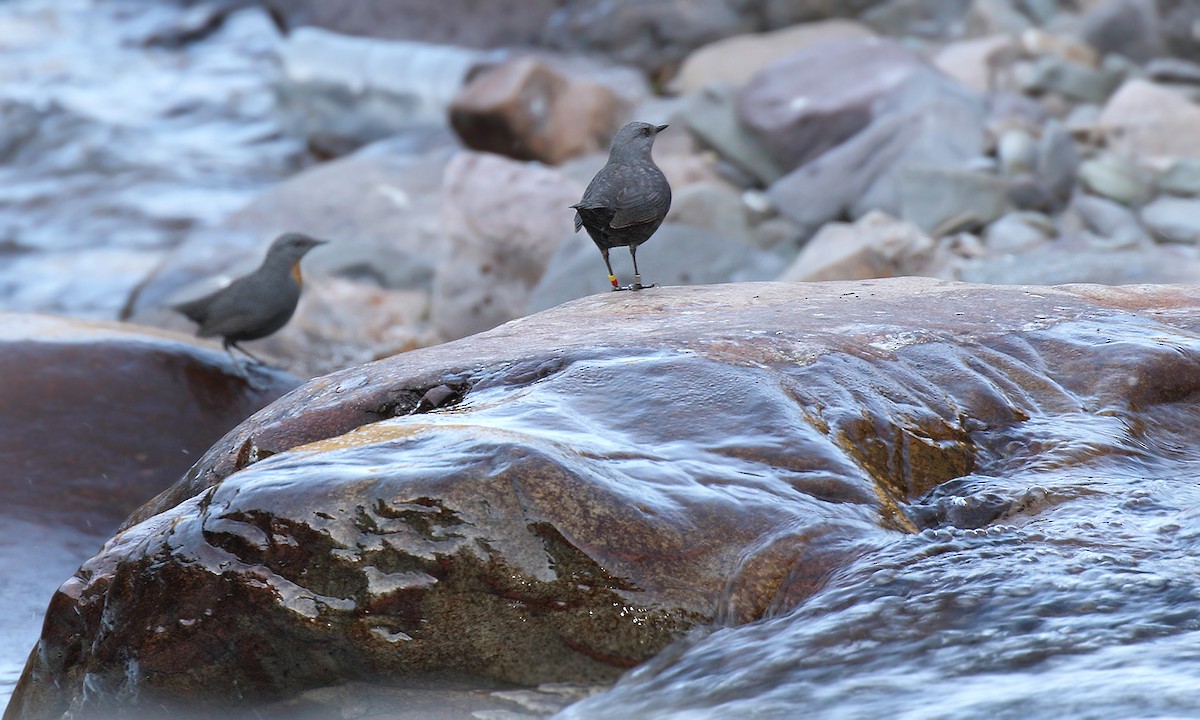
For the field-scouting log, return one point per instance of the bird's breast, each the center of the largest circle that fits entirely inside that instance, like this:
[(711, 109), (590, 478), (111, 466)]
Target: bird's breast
[(296, 273)]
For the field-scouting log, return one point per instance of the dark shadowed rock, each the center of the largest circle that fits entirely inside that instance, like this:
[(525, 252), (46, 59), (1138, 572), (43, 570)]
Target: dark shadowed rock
[(1127, 27), (599, 478)]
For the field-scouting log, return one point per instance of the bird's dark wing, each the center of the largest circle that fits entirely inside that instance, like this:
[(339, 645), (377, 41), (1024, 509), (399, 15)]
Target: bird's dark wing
[(234, 308), (635, 194)]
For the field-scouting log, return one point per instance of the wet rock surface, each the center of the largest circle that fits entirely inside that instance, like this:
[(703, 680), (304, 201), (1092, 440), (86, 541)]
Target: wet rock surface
[(560, 498), (97, 415)]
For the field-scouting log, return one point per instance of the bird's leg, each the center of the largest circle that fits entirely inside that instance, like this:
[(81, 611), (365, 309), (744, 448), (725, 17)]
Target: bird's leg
[(238, 368), (248, 354), (637, 277), (612, 278)]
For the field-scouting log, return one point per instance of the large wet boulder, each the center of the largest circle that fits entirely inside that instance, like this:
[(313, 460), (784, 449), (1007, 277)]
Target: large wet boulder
[(100, 413), (98, 417), (562, 496)]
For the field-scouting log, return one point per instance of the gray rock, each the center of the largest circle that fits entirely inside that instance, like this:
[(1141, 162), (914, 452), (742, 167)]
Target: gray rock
[(1125, 27), (941, 201), (675, 255), (501, 220), (1175, 220), (342, 92), (1017, 232), (1059, 266), (466, 23), (1182, 178), (990, 17), (1083, 120), (1072, 79), (656, 35), (921, 18), (877, 245), (711, 206), (1028, 192), (1017, 152), (735, 60), (711, 116), (1114, 177), (1179, 21), (1116, 224), (1144, 119), (936, 124), (815, 99), (1057, 161)]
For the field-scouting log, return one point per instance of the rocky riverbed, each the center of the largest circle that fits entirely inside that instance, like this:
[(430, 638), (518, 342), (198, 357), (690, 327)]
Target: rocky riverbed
[(149, 152)]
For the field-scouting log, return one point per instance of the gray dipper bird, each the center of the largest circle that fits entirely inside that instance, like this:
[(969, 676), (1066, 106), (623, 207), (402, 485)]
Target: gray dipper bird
[(627, 200), (254, 305)]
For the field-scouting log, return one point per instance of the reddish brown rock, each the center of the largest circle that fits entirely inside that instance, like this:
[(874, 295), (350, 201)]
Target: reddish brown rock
[(525, 109), (100, 414), (562, 496)]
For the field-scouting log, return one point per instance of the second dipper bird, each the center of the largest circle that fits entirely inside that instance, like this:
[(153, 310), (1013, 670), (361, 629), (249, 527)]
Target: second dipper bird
[(254, 305), (627, 200)]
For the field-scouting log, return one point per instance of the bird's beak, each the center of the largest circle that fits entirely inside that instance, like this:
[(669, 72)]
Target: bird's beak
[(316, 242), (660, 128)]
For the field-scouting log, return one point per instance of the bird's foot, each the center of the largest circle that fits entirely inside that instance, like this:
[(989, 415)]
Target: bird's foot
[(637, 284)]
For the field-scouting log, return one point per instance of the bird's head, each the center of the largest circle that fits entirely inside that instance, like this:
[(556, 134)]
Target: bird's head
[(637, 137), (290, 247)]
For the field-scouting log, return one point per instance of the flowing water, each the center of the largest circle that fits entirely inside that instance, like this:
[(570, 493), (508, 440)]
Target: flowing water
[(114, 145)]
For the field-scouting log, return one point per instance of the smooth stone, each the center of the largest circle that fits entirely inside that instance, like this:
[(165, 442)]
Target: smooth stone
[(875, 246), (1111, 220), (711, 206), (989, 17), (1057, 160), (501, 220), (1017, 232), (814, 100), (921, 18), (1072, 79), (711, 115), (1052, 265), (977, 63), (1173, 220), (526, 109), (1146, 120), (1125, 27), (343, 92), (936, 125), (1181, 178), (942, 201), (1113, 177), (1017, 152), (464, 23), (734, 61), (1179, 22), (108, 409)]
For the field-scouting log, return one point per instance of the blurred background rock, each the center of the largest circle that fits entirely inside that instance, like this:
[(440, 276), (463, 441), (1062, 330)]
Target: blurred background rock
[(149, 151)]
